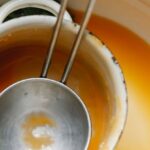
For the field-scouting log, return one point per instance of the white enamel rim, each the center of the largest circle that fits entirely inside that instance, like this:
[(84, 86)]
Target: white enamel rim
[(14, 5)]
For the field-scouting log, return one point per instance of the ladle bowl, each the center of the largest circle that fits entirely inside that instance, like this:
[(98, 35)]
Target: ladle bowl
[(42, 105)]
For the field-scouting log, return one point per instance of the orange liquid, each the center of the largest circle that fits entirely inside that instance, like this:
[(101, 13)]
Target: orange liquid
[(133, 54)]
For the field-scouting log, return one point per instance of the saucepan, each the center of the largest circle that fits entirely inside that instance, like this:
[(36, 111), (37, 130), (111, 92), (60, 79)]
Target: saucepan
[(35, 31)]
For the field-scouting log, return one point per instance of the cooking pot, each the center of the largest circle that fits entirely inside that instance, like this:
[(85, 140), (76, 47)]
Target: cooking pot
[(36, 30)]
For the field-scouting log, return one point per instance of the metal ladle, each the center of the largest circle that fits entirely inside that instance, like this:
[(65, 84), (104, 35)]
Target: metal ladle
[(68, 123)]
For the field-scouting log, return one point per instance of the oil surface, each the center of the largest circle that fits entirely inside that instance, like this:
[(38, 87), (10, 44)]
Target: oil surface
[(133, 55)]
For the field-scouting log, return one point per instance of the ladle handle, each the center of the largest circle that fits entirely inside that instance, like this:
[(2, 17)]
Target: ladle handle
[(76, 42), (54, 38)]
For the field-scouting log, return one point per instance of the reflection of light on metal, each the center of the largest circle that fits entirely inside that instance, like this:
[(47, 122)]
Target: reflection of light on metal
[(42, 131)]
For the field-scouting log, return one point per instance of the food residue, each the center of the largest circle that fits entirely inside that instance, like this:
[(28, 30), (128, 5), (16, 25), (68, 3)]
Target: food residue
[(37, 131)]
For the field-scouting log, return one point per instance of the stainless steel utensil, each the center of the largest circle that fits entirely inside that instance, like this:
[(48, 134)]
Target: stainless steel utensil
[(40, 113)]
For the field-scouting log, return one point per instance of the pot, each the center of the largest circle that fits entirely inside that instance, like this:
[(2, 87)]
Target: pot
[(104, 75)]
